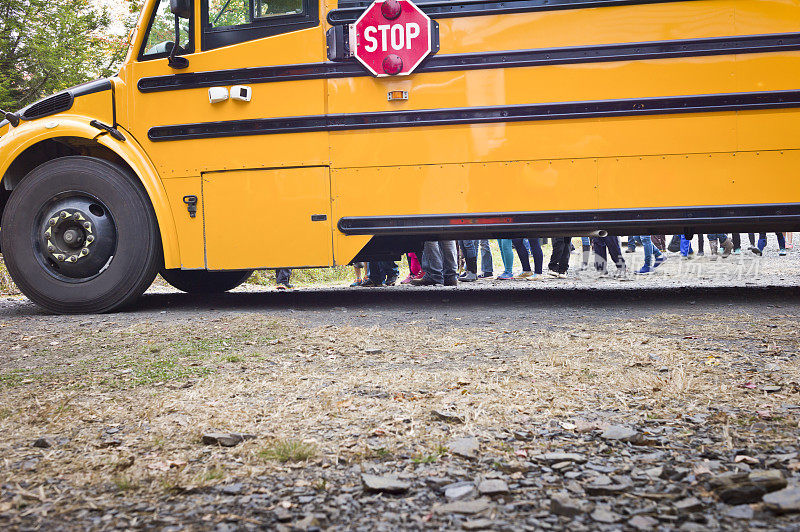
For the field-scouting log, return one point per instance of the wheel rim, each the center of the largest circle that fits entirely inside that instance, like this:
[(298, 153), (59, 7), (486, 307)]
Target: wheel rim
[(75, 237)]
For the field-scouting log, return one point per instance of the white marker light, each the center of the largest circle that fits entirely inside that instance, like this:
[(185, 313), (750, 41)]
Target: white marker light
[(217, 94)]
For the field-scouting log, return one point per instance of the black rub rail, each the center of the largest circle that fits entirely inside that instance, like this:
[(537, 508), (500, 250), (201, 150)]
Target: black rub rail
[(703, 103), (748, 44), (543, 223)]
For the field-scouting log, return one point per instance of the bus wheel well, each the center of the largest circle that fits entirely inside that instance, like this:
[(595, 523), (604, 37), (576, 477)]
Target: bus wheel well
[(47, 150)]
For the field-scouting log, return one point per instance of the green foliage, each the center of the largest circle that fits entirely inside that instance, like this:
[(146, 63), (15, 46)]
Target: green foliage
[(47, 46), (235, 12)]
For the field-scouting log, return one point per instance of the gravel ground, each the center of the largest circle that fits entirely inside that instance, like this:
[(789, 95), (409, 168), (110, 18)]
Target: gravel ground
[(665, 402)]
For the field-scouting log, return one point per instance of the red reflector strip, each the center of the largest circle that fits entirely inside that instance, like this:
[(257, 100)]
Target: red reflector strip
[(481, 221)]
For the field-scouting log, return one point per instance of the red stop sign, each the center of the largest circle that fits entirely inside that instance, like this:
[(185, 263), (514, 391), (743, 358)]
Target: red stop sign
[(392, 37)]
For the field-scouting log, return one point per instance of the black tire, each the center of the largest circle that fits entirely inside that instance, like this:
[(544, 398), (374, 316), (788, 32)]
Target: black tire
[(204, 281), (125, 252)]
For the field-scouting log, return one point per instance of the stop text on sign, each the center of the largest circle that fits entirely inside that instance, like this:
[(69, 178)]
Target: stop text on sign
[(391, 37), (396, 36)]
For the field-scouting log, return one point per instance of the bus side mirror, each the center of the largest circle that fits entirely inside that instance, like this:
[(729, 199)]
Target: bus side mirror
[(181, 8)]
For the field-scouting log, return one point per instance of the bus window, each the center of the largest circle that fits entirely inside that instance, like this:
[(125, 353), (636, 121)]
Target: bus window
[(161, 34), (228, 22)]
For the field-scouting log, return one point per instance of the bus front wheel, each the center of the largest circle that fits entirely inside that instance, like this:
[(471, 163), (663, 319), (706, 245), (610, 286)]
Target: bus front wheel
[(79, 235), (204, 281)]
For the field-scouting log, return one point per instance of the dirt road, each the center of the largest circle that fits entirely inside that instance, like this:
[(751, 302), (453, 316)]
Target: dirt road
[(671, 401)]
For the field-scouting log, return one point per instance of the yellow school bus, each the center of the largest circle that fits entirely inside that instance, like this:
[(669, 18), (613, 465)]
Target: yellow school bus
[(258, 141)]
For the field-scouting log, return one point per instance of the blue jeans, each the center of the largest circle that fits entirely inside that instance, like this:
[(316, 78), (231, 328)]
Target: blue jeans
[(439, 260), (762, 241), (722, 237), (608, 243), (536, 253), (507, 254), (686, 246), (487, 265), (470, 248), (632, 242), (649, 250)]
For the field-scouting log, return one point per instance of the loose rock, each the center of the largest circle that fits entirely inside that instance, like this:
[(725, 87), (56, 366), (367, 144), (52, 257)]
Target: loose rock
[(466, 447), (493, 487), (690, 504), (563, 504), (618, 432), (385, 484), (602, 515), (478, 524), (741, 488), (784, 501), (460, 491), (44, 442), (643, 522), (463, 507), (225, 439), (554, 458), (448, 417), (743, 511)]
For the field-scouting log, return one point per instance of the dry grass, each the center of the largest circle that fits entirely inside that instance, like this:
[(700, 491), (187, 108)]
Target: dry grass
[(7, 286), (277, 379)]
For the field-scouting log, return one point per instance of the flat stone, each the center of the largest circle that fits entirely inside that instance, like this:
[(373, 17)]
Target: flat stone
[(784, 501), (282, 514), (602, 515), (607, 489), (493, 486), (447, 417), (466, 447), (554, 458), (44, 442), (743, 511), (620, 433), (654, 472), (460, 491), (232, 489), (742, 488), (374, 350), (225, 439), (643, 522), (690, 504), (384, 484), (563, 504), (463, 507), (478, 524), (307, 523)]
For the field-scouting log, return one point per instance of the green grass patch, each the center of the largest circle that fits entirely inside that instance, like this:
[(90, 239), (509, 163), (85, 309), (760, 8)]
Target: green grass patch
[(123, 483), (165, 370), (428, 458), (289, 451)]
